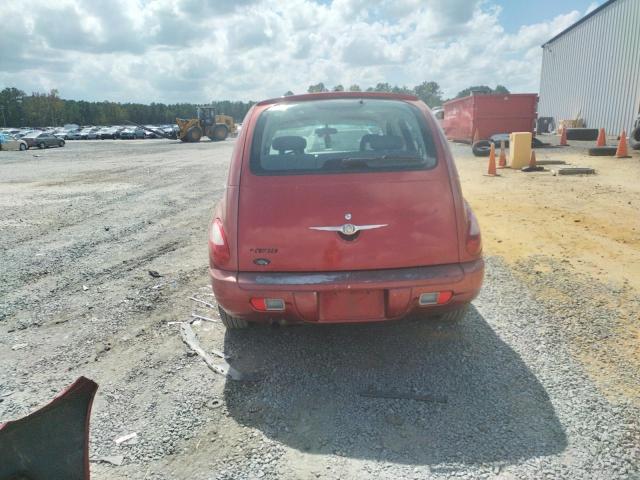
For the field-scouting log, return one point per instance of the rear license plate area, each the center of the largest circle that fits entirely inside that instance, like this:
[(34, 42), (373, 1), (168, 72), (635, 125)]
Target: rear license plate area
[(351, 306)]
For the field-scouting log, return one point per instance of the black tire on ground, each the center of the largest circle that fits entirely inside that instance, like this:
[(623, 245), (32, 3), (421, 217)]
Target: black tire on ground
[(219, 133), (537, 143), (481, 148), (23, 147), (602, 151), (454, 316), (61, 143), (634, 139), (231, 323), (41, 145), (588, 134), (194, 134)]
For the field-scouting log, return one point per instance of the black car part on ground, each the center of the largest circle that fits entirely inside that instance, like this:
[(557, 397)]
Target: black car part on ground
[(602, 151), (545, 125), (587, 134), (481, 148), (634, 139), (52, 442)]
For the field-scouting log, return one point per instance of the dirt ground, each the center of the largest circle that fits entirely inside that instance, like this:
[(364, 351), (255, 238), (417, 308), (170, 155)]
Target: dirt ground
[(590, 224), (82, 226)]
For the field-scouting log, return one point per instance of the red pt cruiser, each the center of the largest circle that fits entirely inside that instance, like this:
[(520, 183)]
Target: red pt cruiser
[(341, 208)]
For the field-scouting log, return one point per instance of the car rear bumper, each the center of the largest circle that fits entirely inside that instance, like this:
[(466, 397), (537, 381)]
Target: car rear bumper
[(308, 295)]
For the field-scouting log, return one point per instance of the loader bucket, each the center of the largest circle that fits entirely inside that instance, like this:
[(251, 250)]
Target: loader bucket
[(50, 443)]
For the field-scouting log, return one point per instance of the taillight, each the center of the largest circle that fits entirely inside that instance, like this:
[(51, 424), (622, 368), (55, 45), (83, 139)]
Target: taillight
[(435, 298), (218, 245), (267, 304), (473, 241)]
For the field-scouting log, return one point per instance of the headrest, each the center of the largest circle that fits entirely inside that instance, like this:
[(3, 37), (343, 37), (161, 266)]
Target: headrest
[(289, 143), (382, 142)]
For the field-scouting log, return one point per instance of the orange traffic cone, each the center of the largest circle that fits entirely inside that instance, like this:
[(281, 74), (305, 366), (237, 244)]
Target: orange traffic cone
[(563, 138), (602, 139), (532, 160), (622, 151), (502, 162), (492, 161)]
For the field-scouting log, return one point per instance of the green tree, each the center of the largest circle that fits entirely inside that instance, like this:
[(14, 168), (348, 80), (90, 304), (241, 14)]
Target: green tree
[(48, 109), (288, 93), (482, 90), (380, 87), (355, 88), (429, 93), (338, 88), (317, 88)]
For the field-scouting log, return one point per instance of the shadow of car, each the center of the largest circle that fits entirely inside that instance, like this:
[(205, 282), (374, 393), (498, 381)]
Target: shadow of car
[(311, 388)]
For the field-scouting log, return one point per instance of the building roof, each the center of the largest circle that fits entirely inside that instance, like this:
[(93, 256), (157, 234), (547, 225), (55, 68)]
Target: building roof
[(582, 20)]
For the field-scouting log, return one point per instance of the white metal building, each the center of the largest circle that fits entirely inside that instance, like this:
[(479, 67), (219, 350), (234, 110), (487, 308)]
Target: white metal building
[(592, 69)]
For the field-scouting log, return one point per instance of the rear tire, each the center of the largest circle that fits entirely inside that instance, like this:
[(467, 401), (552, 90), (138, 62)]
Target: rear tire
[(232, 323), (61, 143), (23, 147), (41, 146)]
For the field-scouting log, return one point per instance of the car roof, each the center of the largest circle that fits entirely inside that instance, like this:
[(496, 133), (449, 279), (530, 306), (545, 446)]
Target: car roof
[(336, 95)]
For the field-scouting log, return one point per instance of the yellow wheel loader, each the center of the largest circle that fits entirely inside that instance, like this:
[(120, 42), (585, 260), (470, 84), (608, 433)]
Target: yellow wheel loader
[(207, 124)]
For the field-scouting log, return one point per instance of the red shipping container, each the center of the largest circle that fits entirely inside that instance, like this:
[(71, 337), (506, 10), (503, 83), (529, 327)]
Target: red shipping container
[(489, 115)]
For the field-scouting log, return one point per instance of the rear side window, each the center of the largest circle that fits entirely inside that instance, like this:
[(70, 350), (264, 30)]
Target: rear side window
[(341, 136)]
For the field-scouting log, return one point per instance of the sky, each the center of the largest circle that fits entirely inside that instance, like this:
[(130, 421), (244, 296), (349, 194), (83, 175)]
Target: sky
[(202, 50)]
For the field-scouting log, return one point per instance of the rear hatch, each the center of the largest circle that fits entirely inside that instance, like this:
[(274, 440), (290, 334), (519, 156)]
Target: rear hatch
[(320, 172)]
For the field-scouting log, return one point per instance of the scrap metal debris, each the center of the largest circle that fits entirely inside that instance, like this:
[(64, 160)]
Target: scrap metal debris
[(126, 438), (205, 303), (574, 171), (190, 339), (206, 319), (154, 274), (116, 460)]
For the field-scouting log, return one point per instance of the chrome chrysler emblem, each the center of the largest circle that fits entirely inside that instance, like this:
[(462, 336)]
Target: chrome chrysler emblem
[(347, 216), (348, 228)]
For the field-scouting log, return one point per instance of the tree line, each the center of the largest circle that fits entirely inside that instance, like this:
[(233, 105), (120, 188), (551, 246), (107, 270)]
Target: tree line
[(17, 109), (429, 92)]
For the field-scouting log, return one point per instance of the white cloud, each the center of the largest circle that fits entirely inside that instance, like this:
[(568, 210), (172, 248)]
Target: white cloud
[(195, 50)]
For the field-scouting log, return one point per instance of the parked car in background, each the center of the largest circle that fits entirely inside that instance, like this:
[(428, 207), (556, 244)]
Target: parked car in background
[(132, 133), (73, 135), (90, 133), (108, 133), (149, 133), (42, 140), (9, 142), (343, 208)]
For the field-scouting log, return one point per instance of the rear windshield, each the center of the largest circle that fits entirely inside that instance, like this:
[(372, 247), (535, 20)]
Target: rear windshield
[(341, 136)]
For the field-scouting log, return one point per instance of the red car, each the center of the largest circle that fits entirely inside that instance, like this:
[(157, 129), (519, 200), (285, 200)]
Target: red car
[(342, 207)]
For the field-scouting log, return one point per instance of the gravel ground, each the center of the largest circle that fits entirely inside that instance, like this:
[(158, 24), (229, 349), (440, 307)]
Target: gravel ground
[(513, 395)]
